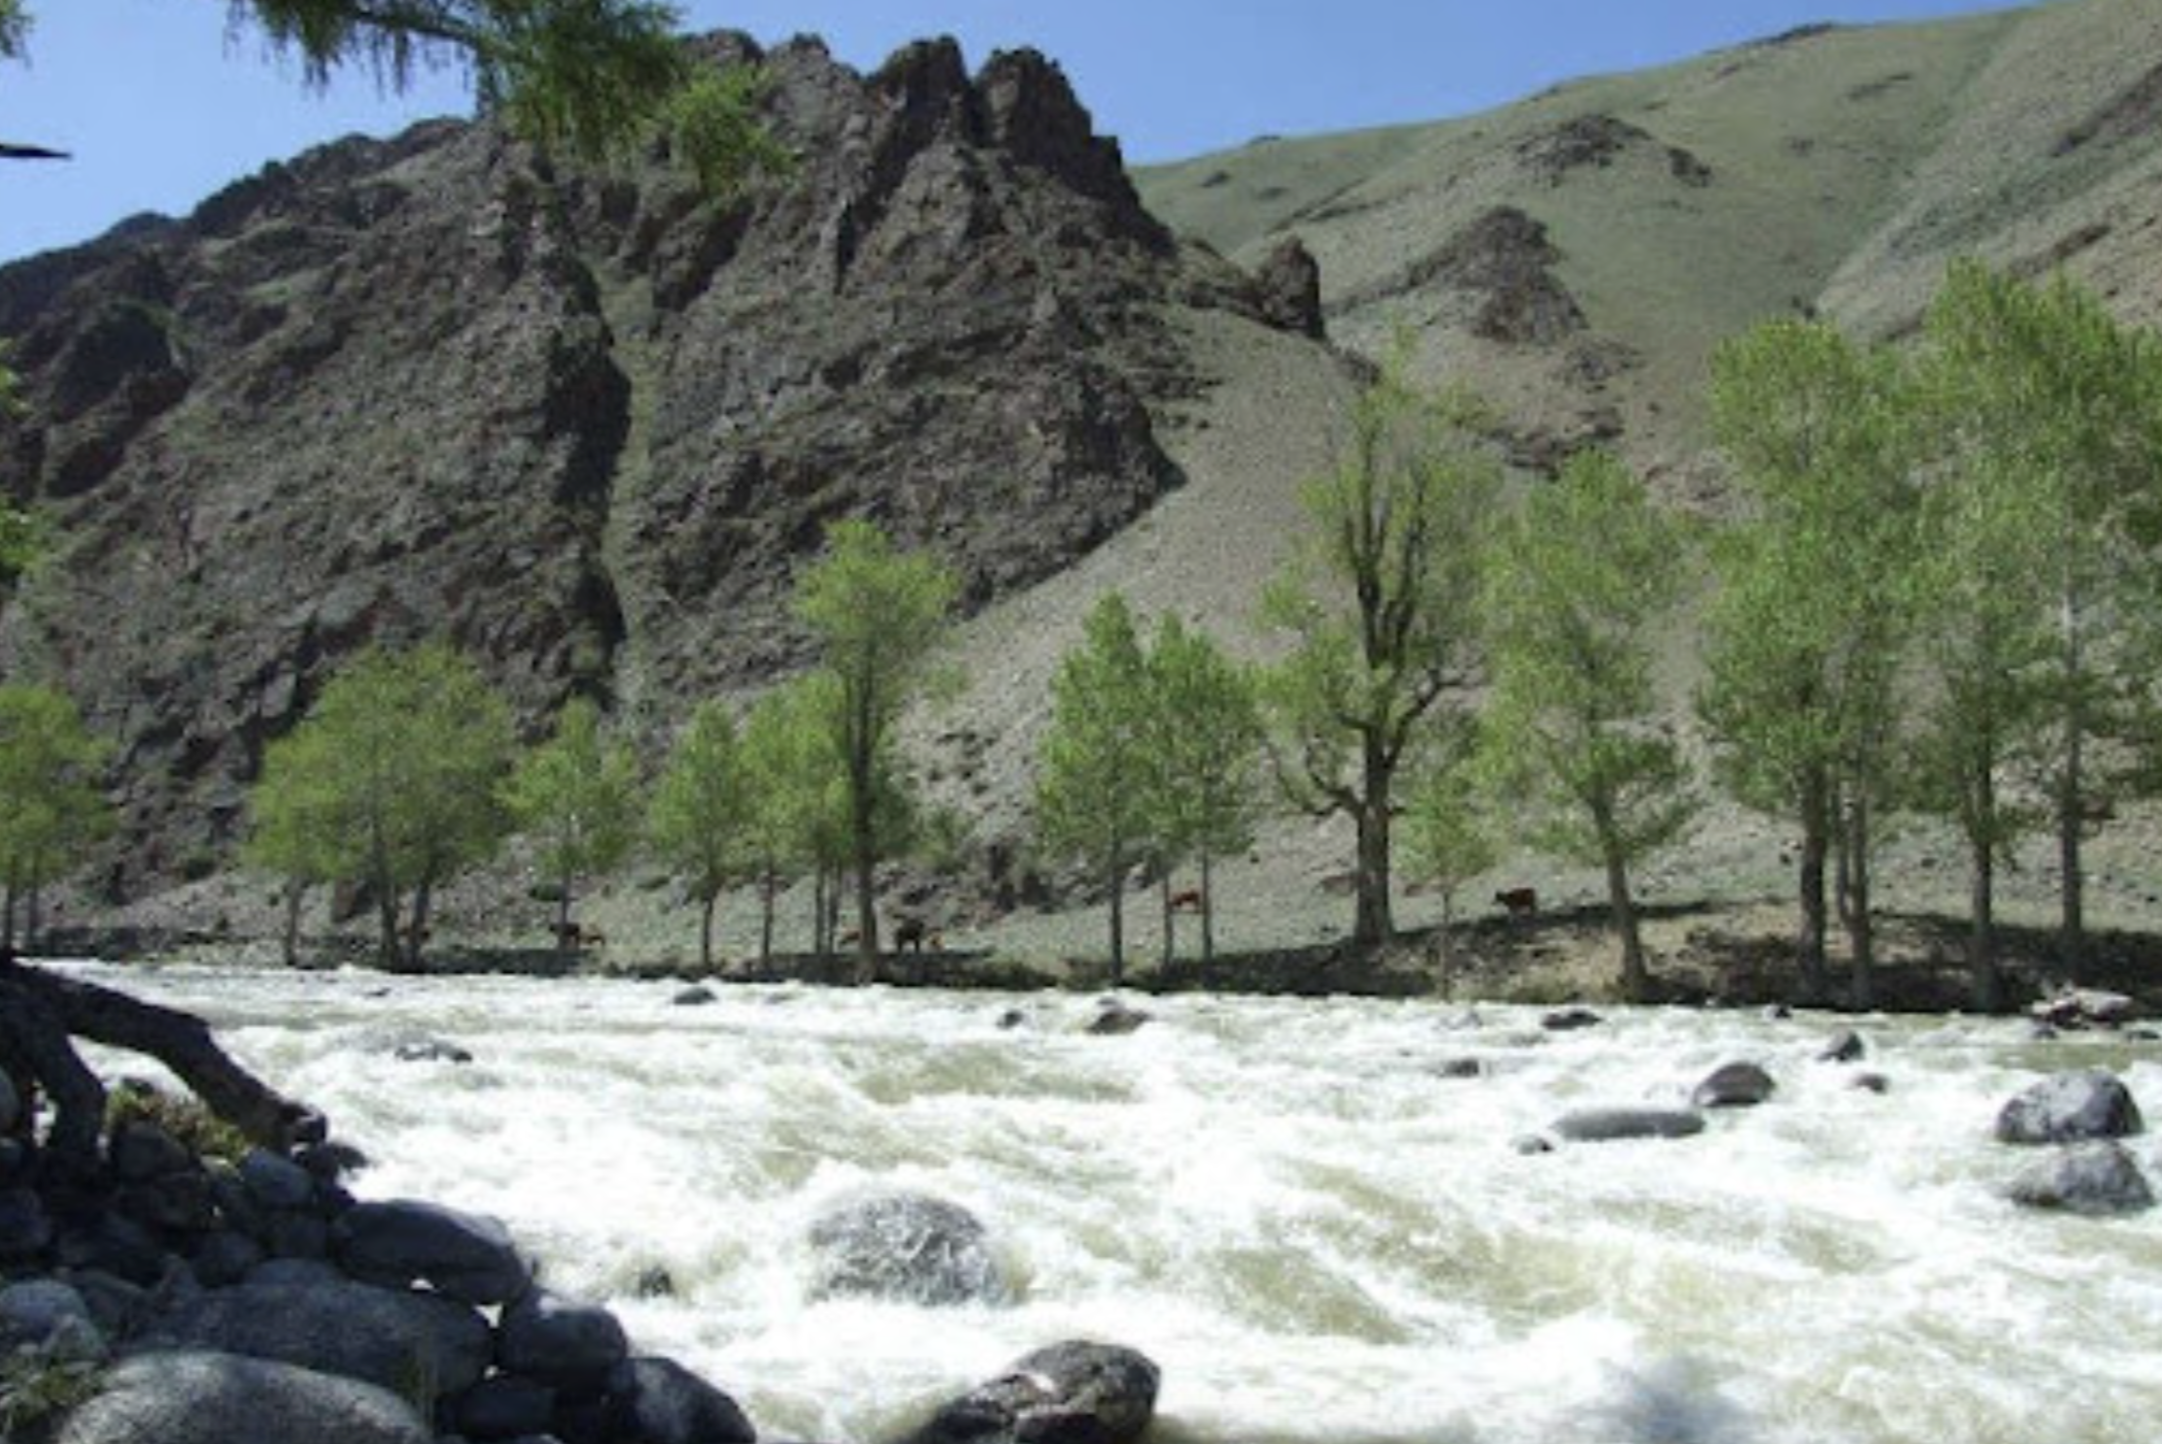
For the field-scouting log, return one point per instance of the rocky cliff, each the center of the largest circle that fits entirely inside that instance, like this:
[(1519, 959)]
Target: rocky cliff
[(586, 425)]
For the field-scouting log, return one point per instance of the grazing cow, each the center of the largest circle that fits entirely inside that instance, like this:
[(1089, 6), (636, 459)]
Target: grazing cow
[(573, 936), (1186, 901), (913, 935), (847, 938), (1521, 902)]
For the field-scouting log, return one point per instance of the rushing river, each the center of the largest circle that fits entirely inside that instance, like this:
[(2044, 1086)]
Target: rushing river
[(1284, 1203)]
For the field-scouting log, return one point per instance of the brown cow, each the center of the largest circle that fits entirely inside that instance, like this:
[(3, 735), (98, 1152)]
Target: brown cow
[(1187, 900), (1521, 902)]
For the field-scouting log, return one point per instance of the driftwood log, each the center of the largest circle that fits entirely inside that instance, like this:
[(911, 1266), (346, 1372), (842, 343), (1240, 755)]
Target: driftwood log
[(42, 1013)]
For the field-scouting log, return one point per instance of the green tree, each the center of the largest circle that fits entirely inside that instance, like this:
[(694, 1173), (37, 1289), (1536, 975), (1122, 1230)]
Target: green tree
[(799, 821), (1379, 604), (1448, 829), (700, 818), (1096, 771), (1577, 583), (577, 795), (875, 613), (413, 748), (1804, 631), (1205, 734), (52, 804), (293, 823), (589, 76), (2047, 399)]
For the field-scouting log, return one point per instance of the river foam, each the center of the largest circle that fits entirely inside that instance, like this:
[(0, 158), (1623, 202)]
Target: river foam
[(1284, 1203)]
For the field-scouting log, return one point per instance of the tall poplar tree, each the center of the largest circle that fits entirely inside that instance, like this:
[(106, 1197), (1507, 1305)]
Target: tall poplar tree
[(1577, 583), (700, 818), (1804, 630), (577, 796), (1380, 607), (1205, 736), (52, 800), (875, 613)]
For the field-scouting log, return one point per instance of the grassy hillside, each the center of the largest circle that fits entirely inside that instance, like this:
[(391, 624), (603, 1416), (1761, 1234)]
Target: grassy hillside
[(1829, 168)]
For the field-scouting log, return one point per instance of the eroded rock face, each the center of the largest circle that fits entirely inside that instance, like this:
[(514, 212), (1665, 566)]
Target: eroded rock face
[(576, 424)]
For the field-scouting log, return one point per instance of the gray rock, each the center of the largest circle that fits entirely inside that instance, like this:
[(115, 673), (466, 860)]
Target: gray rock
[(904, 1246), (404, 1242), (429, 1050), (1568, 1020), (38, 1311), (560, 1341), (140, 1152), (11, 1106), (505, 1407), (225, 1258), (1845, 1046), (1733, 1085), (205, 1398), (2085, 1008), (296, 1273), (1116, 1020), (1070, 1393), (400, 1340), (2070, 1108), (658, 1401), (1870, 1082), (25, 1230), (2089, 1178), (276, 1182), (1603, 1125), (695, 996)]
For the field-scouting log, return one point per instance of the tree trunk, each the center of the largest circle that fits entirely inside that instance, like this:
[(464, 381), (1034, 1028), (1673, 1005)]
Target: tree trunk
[(416, 935), (1856, 907), (34, 919), (821, 932), (1208, 907), (2072, 928), (566, 941), (296, 892), (386, 916), (1117, 879), (1809, 946), (768, 889), (7, 920), (42, 1012), (1163, 896), (705, 932), (1372, 925), (1636, 977), (1445, 943), (863, 806), (1982, 931)]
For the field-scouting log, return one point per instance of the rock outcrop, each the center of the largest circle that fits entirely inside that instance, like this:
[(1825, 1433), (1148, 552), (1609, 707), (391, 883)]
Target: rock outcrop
[(588, 427)]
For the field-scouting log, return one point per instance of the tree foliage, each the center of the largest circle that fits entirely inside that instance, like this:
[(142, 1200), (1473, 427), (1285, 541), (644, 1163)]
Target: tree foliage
[(875, 613), (1449, 829), (52, 802), (1097, 772), (2050, 413), (699, 820), (1379, 604), (1803, 633), (1578, 581), (1205, 735), (399, 765), (577, 796)]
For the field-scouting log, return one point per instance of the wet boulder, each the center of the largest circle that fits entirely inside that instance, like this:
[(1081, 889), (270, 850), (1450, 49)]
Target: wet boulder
[(1733, 1085), (505, 1407), (2088, 1178), (11, 1106), (658, 1401), (1607, 1125), (1569, 1020), (2070, 1108), (386, 1337), (403, 1242), (25, 1229), (49, 1315), (209, 1398), (1846, 1046), (1070, 1393), (1115, 1019), (2075, 1008), (561, 1341), (698, 995), (904, 1246)]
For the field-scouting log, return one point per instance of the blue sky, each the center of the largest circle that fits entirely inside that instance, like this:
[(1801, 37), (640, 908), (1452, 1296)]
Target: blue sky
[(160, 106)]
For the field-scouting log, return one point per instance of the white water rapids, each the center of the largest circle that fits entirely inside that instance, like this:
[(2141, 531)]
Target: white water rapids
[(1313, 1233)]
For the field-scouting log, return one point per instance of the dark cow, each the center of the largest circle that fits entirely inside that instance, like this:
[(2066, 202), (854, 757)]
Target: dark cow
[(1521, 902), (1187, 900), (909, 934)]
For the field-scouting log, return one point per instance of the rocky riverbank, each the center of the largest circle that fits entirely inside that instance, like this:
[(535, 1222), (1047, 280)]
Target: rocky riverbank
[(166, 1297)]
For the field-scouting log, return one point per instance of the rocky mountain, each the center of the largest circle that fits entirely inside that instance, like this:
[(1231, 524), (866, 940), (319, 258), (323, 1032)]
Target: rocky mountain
[(588, 426)]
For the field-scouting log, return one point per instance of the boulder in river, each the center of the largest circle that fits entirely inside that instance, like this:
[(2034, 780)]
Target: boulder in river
[(1605, 1125), (561, 1341), (2070, 1108), (1070, 1393), (1115, 1019), (1846, 1046), (2090, 1178), (209, 1398), (658, 1401), (403, 1242), (906, 1246), (1733, 1085), (2085, 1008), (1569, 1020)]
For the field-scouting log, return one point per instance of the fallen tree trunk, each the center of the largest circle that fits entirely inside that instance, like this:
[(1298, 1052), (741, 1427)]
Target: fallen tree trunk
[(42, 1013)]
